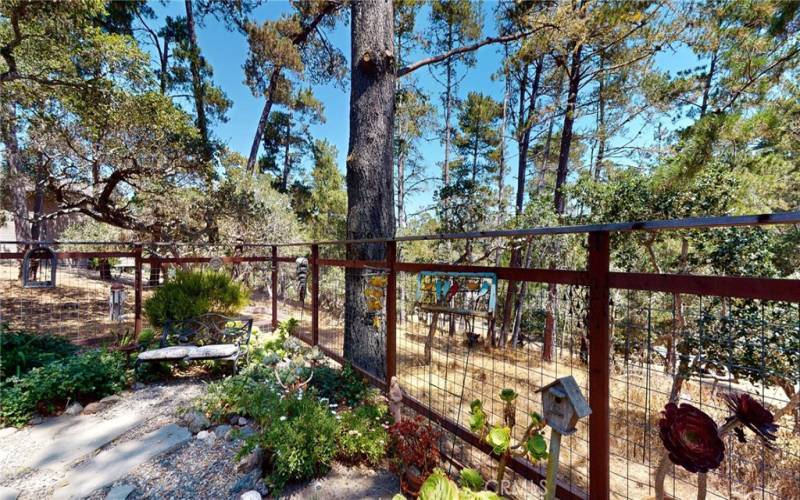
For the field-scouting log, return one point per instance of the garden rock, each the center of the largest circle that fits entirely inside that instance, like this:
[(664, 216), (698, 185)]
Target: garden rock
[(120, 492), (250, 495), (208, 436), (222, 431), (246, 482), (74, 409), (242, 421), (234, 419), (101, 405), (35, 420), (251, 461), (242, 433), (138, 386), (196, 421)]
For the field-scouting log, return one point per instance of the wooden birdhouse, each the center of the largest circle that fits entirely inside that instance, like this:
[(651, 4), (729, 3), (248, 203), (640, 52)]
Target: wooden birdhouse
[(39, 268), (563, 405)]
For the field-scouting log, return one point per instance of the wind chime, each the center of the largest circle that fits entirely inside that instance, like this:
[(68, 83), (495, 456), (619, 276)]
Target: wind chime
[(375, 293), (301, 275)]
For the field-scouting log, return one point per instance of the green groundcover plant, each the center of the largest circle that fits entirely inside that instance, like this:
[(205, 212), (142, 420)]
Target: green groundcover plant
[(315, 415), (192, 293), (45, 389), (22, 351)]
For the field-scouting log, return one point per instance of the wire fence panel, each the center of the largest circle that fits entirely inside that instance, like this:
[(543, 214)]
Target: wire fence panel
[(632, 341)]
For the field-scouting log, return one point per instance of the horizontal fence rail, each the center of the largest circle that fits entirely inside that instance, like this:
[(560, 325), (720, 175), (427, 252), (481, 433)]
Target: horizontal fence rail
[(597, 281)]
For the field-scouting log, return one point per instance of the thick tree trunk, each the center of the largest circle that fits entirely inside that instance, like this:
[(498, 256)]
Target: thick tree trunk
[(197, 80), (15, 179), (369, 171)]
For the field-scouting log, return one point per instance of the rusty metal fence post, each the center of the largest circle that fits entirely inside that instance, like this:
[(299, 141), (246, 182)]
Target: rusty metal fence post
[(391, 312), (274, 287), (599, 345), (137, 292), (314, 294)]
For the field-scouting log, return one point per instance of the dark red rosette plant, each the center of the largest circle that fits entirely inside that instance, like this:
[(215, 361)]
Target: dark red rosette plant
[(752, 415), (691, 438), (413, 452)]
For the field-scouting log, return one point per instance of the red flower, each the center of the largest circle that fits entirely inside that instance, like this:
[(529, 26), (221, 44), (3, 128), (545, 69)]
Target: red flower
[(690, 436), (754, 416)]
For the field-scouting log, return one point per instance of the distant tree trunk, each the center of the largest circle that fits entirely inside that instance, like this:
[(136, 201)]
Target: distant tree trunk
[(164, 61), (286, 162), (526, 111), (369, 171), (559, 200), (401, 191), (566, 130), (448, 105), (709, 80), (262, 121), (549, 140), (601, 123), (38, 200), (198, 88)]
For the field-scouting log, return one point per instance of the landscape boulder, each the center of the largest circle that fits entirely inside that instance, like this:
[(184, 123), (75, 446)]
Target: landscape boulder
[(195, 421), (251, 461)]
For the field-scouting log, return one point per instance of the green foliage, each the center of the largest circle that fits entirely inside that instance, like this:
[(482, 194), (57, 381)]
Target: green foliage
[(192, 293), (471, 479), (22, 351), (248, 393), (499, 438), (362, 436), (298, 436), (345, 386), (440, 487), (85, 377)]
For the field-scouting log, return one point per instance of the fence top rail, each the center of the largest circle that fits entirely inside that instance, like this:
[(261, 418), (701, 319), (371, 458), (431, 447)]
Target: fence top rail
[(615, 227)]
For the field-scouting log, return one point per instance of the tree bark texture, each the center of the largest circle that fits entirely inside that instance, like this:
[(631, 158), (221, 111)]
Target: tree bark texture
[(370, 203), (198, 88)]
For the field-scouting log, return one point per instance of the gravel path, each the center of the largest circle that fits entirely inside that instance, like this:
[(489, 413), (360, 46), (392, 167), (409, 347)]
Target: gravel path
[(197, 469)]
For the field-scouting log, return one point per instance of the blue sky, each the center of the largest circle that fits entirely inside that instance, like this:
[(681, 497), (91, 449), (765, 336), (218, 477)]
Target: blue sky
[(226, 51)]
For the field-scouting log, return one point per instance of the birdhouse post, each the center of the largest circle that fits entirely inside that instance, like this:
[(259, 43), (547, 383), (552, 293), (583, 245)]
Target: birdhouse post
[(563, 405)]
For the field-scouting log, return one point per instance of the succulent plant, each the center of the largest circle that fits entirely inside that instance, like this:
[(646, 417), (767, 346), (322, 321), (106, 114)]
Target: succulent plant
[(691, 438), (754, 416)]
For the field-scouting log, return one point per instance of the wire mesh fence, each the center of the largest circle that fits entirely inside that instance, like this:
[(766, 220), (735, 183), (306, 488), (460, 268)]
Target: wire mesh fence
[(632, 342)]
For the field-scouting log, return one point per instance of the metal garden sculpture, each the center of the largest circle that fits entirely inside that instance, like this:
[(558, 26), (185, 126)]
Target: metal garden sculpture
[(39, 262), (468, 295)]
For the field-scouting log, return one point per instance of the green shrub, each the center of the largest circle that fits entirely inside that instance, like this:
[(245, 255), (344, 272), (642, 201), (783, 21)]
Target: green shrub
[(250, 393), (85, 377), (298, 438), (192, 293), (345, 386), (22, 351), (362, 436)]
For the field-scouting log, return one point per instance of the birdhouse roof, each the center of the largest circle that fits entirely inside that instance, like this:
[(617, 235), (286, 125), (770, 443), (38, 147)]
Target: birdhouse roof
[(573, 392)]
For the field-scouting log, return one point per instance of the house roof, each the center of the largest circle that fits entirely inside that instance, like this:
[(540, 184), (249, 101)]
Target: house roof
[(570, 387)]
